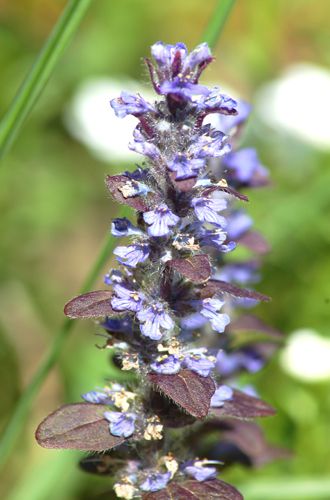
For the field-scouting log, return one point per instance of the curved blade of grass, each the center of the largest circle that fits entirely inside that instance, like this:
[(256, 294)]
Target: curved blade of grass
[(40, 72), (217, 22), (211, 35)]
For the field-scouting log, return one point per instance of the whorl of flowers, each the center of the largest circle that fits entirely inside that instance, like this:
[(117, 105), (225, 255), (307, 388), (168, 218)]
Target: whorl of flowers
[(170, 307)]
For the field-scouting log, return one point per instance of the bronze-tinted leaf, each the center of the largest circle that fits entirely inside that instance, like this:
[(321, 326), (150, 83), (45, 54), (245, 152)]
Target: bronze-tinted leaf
[(170, 414), (213, 287), (225, 189), (245, 442), (187, 389), (243, 406), (116, 185), (184, 185), (254, 241), (196, 490), (79, 426), (196, 268), (250, 323), (90, 305)]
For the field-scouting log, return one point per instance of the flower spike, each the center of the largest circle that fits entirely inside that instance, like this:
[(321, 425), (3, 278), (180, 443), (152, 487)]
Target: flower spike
[(171, 288)]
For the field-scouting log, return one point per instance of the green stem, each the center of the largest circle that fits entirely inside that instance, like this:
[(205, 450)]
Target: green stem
[(22, 408), (40, 72), (217, 22)]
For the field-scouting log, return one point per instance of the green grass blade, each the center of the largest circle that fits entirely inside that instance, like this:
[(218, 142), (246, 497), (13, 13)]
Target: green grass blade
[(40, 72), (217, 22)]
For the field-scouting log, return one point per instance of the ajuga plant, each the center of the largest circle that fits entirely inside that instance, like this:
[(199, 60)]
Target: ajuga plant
[(172, 310)]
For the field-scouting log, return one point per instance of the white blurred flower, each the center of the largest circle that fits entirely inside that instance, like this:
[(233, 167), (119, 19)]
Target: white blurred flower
[(90, 118), (307, 356), (299, 103)]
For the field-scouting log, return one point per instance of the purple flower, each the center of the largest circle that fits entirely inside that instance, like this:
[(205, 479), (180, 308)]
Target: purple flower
[(185, 167), (221, 395), (199, 363), (229, 363), (155, 481), (197, 57), (228, 123), (122, 324), (210, 310), (193, 321), (121, 424), (244, 110), (165, 55), (216, 102), (174, 62), (133, 254), (154, 319), (178, 73), (160, 220), (143, 147), (183, 88), (252, 361), (113, 276), (245, 166), (126, 299), (107, 279), (210, 144), (240, 272), (215, 238), (123, 227), (130, 104), (96, 397), (238, 223), (166, 366), (199, 472), (139, 174), (206, 210)]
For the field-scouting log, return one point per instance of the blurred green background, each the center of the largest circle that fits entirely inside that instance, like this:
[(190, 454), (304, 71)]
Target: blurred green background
[(55, 212)]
